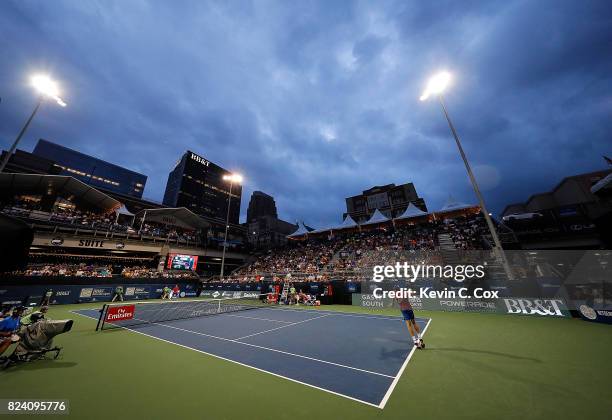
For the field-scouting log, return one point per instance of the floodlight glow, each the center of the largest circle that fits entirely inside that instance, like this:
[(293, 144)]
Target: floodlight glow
[(45, 85), (233, 178), (436, 85)]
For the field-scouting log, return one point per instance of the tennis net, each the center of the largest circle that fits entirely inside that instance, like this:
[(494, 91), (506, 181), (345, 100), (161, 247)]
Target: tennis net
[(127, 314)]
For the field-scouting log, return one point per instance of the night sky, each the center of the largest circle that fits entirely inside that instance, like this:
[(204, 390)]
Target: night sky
[(316, 101)]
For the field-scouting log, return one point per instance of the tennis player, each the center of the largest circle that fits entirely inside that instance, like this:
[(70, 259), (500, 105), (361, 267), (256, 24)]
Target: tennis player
[(413, 327)]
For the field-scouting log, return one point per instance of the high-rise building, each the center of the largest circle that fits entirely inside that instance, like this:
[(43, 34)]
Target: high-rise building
[(390, 199), (260, 205), (92, 171), (198, 184), (264, 228)]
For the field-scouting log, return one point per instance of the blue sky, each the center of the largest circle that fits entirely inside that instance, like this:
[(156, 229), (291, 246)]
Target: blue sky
[(316, 101)]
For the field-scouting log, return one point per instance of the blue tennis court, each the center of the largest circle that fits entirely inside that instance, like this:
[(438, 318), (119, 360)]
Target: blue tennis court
[(356, 356)]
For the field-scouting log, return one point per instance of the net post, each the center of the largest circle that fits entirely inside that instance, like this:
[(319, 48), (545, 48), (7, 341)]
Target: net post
[(101, 318)]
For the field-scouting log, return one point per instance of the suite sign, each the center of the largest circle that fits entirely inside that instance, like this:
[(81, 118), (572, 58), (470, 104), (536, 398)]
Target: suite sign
[(91, 243)]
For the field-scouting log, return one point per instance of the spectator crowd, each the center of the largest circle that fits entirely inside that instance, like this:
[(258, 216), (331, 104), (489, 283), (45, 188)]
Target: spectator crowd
[(90, 270), (347, 253)]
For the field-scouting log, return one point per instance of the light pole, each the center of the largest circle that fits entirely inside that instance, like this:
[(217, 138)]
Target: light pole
[(435, 87), (231, 178), (46, 88)]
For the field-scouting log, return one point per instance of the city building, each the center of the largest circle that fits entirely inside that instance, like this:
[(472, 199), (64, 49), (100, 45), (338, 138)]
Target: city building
[(260, 205), (269, 232), (92, 171), (570, 216), (264, 228), (198, 184), (392, 200)]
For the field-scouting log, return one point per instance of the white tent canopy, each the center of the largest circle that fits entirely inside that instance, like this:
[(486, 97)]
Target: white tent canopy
[(301, 230), (377, 217), (124, 211), (454, 205), (179, 216), (412, 211), (602, 184), (321, 230), (347, 223)]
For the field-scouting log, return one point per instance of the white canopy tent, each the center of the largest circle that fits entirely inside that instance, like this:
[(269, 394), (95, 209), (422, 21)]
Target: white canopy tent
[(411, 212), (123, 211), (377, 217), (179, 216), (301, 230), (602, 184), (346, 224), (454, 205)]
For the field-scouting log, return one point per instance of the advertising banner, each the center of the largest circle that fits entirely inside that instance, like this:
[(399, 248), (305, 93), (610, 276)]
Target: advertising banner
[(66, 294), (588, 313), (514, 306), (120, 313)]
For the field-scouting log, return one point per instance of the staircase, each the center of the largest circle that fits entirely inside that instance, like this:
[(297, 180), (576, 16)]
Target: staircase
[(447, 249)]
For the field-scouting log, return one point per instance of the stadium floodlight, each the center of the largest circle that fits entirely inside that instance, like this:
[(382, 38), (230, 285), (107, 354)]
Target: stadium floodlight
[(47, 88), (233, 179), (436, 86)]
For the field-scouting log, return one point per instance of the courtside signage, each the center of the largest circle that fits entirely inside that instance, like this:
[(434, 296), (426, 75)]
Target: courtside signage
[(120, 313)]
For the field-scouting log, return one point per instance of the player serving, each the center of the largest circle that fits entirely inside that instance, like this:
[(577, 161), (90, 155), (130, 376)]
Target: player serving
[(413, 327)]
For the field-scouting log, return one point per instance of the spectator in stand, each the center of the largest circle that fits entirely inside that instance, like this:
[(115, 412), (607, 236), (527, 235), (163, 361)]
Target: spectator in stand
[(8, 327)]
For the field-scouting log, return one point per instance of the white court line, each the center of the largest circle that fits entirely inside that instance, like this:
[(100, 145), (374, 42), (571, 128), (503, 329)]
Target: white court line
[(284, 326), (383, 401), (264, 348), (276, 350), (242, 364), (261, 319), (399, 373), (381, 317)]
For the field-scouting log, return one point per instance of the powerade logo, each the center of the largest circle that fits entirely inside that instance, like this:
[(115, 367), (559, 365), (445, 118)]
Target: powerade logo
[(588, 312), (543, 307)]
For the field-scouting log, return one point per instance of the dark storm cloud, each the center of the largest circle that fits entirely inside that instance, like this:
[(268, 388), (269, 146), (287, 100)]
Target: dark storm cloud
[(317, 101)]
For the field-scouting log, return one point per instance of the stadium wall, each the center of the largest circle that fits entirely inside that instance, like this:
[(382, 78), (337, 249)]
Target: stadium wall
[(31, 295)]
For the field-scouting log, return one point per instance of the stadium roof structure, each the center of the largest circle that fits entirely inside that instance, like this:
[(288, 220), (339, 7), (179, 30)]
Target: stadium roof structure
[(377, 217), (411, 212), (176, 216), (71, 187), (346, 224), (453, 205), (602, 184), (301, 230)]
